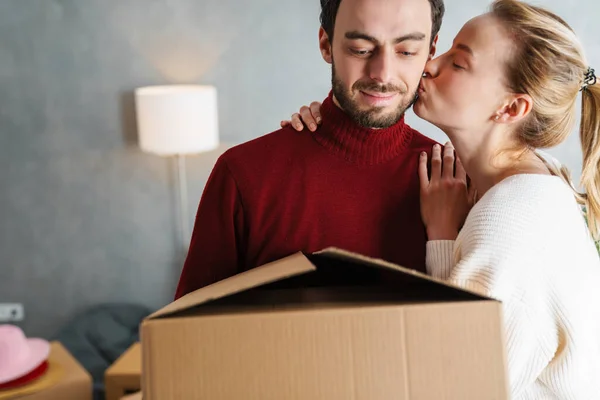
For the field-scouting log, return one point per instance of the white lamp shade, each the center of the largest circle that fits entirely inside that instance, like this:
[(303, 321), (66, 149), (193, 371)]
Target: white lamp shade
[(177, 119)]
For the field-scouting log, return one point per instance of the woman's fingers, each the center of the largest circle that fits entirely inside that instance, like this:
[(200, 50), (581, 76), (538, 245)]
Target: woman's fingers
[(423, 177), (297, 122), (309, 116), (460, 172), (448, 161), (315, 109), (308, 119), (436, 162)]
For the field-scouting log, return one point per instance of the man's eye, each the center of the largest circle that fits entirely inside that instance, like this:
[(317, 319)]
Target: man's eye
[(456, 66), (360, 52), (407, 53)]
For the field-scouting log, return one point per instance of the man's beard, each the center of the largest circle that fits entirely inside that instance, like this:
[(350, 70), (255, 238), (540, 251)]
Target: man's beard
[(373, 117)]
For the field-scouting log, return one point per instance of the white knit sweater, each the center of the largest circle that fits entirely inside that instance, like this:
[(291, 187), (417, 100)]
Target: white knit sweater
[(526, 244)]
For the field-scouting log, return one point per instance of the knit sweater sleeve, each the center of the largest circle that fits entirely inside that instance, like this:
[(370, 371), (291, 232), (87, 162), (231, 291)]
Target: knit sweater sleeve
[(493, 257), (218, 242), (438, 259)]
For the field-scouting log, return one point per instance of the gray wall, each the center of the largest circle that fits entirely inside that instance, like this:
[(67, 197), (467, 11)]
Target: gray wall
[(86, 217)]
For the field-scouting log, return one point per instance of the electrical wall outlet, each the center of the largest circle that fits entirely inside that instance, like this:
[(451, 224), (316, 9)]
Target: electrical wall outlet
[(11, 312)]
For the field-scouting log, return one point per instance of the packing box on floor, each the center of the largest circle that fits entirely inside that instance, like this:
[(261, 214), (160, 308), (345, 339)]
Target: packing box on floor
[(75, 382), (326, 326), (124, 375)]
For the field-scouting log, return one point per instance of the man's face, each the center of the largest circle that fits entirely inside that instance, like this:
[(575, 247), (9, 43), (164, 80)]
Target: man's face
[(378, 53)]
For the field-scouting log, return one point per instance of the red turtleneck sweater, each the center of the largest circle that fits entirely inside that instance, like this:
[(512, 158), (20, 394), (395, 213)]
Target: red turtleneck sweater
[(343, 186)]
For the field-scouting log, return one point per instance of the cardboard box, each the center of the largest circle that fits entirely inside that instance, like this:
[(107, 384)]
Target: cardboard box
[(326, 326), (124, 376), (76, 382)]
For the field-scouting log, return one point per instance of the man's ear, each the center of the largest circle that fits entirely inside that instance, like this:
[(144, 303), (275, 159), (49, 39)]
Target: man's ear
[(325, 46), (433, 47)]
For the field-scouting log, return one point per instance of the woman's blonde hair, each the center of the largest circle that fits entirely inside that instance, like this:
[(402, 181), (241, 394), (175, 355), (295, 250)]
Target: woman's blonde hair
[(549, 65)]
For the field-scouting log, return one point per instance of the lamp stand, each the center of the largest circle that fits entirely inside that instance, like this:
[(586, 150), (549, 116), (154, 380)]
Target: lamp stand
[(183, 201)]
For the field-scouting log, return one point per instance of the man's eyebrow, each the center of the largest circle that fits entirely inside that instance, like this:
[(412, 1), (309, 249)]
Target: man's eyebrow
[(415, 36), (357, 35)]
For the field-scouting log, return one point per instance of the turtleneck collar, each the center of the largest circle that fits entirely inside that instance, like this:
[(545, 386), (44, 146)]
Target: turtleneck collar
[(340, 135)]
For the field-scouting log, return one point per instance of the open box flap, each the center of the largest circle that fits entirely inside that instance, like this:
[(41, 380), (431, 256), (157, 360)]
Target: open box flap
[(344, 255), (294, 265)]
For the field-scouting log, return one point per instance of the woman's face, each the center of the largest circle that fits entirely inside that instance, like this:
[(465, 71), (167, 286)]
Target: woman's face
[(464, 89)]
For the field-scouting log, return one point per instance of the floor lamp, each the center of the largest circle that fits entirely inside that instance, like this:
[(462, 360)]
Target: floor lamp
[(175, 121)]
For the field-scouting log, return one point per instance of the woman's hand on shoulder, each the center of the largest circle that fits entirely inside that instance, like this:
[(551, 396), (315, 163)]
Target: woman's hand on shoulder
[(309, 116)]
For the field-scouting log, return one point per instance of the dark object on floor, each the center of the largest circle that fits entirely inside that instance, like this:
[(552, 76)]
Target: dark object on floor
[(98, 336)]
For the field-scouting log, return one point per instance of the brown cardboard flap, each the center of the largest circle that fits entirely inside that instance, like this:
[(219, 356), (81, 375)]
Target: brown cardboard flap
[(294, 265), (344, 255)]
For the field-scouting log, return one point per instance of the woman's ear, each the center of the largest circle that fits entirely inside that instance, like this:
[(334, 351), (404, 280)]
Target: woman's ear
[(325, 46), (515, 110), (519, 108)]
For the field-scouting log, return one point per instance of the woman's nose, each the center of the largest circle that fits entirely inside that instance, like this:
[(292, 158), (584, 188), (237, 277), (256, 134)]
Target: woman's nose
[(431, 68)]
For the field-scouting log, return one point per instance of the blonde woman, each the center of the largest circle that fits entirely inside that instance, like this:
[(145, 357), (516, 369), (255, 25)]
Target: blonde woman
[(508, 87)]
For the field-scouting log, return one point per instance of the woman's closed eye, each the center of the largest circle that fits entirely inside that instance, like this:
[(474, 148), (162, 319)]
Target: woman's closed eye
[(458, 62)]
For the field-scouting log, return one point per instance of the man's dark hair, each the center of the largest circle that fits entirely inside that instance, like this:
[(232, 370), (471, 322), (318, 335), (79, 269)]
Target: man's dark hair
[(329, 10)]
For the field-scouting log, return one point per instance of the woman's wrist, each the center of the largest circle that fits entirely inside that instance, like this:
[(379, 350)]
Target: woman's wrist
[(441, 233)]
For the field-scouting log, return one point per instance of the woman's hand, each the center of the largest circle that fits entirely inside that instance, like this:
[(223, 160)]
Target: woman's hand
[(445, 199), (308, 116)]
